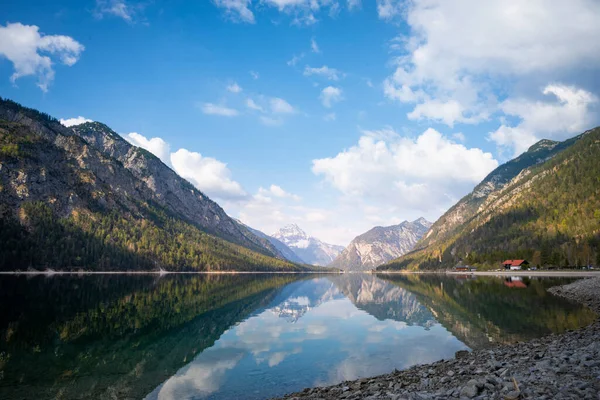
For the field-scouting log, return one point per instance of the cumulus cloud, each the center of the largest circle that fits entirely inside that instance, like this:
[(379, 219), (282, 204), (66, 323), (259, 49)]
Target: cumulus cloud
[(330, 73), (234, 88), (430, 171), (207, 174), (30, 52), (447, 74), (331, 95), (237, 10), (68, 122), (215, 109), (156, 146), (569, 113)]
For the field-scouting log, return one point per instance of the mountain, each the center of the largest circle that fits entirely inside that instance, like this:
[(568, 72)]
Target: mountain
[(543, 206), (281, 248), (380, 245), (484, 312), (308, 248), (382, 299), (170, 189), (87, 199)]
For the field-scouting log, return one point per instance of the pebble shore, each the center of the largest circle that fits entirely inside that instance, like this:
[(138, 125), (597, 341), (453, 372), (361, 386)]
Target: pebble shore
[(565, 366)]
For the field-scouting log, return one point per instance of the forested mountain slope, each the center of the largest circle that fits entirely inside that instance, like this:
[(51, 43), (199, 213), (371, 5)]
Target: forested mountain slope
[(171, 190), (66, 204), (547, 213)]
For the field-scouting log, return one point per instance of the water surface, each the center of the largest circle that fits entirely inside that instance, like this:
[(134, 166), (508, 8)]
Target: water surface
[(251, 336)]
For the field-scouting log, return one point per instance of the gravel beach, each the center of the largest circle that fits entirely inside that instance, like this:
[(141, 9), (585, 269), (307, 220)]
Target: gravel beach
[(565, 366)]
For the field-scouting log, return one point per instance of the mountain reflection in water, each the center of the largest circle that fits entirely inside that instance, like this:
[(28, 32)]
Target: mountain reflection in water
[(249, 336)]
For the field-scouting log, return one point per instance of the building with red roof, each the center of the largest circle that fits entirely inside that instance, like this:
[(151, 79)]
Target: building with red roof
[(515, 264)]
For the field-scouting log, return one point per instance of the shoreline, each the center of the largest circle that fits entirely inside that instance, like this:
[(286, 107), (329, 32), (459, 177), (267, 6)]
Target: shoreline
[(557, 273), (557, 366), (51, 273)]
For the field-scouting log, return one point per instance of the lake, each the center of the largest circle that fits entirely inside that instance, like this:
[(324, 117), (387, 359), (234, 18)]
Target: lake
[(251, 336)]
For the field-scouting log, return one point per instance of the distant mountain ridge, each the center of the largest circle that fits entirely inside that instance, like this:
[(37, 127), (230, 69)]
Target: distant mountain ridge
[(380, 245), (281, 247), (543, 206), (310, 249)]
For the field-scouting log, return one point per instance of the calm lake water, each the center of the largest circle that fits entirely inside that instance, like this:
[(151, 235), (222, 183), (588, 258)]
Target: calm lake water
[(251, 336)]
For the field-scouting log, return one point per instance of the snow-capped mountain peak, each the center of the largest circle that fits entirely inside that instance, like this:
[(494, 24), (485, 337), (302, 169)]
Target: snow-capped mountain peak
[(308, 248), (291, 232)]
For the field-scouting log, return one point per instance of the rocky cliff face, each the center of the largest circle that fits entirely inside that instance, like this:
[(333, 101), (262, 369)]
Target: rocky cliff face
[(308, 248), (380, 245), (170, 189)]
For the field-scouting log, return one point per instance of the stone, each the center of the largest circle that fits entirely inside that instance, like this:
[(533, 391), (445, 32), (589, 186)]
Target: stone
[(469, 391), (461, 354)]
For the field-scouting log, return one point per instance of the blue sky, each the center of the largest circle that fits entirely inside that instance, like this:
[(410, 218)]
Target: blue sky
[(335, 115)]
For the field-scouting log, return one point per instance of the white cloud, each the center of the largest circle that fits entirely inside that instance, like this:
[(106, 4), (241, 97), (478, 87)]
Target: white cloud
[(251, 104), (331, 95), (234, 88), (208, 174), (277, 191), (354, 4), (237, 10), (68, 122), (117, 8), (459, 136), (23, 46), (324, 71), (269, 121), (448, 112), (568, 114), (442, 65), (314, 46), (427, 173), (273, 109), (156, 145), (330, 117), (295, 59), (388, 9), (214, 109), (280, 106), (255, 75)]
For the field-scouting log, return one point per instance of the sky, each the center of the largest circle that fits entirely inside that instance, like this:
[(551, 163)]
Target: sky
[(336, 115)]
